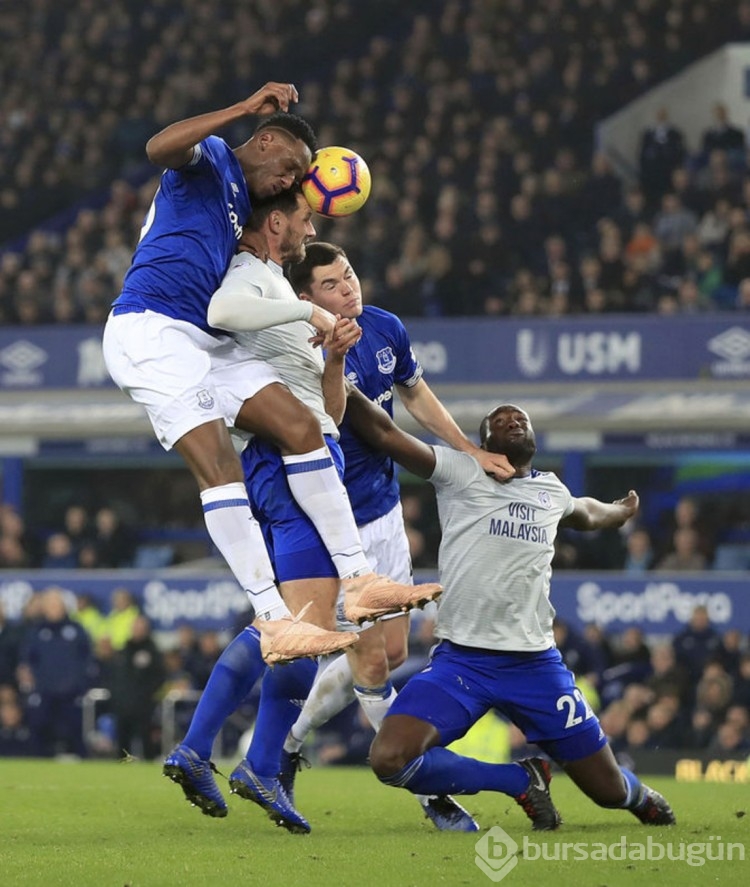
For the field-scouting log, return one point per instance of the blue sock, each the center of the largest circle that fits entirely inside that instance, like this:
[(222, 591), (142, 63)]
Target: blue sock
[(232, 678), (283, 693), (442, 772), (634, 788)]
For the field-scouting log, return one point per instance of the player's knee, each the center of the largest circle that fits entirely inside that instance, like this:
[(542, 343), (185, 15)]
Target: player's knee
[(386, 757), (370, 667)]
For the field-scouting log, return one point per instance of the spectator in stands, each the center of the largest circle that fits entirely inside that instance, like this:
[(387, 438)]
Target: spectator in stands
[(55, 669), (59, 553), (739, 715), (665, 727), (728, 741), (686, 554), (662, 151), (637, 735), (731, 650), (722, 135), (112, 544), (668, 676), (77, 527), (139, 675), (714, 690), (696, 643), (639, 556), (88, 614), (671, 225), (702, 729), (118, 623), (632, 649)]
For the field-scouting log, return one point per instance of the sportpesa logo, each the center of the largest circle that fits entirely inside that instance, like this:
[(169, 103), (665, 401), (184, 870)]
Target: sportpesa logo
[(234, 221)]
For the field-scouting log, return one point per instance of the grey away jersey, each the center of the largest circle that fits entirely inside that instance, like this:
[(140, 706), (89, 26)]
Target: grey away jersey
[(496, 554), (285, 347)]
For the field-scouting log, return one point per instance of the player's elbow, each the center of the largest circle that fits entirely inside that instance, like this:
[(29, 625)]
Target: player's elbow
[(155, 151), (216, 316), (160, 153)]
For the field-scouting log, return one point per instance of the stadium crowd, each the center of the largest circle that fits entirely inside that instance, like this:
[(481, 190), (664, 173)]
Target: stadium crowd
[(688, 692), (477, 122)]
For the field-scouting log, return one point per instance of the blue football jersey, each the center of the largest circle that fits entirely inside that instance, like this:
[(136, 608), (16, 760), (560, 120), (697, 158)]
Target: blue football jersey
[(189, 236), (382, 358)]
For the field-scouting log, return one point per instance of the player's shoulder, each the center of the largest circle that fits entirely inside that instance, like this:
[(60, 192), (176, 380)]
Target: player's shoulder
[(383, 321), (215, 146), (246, 261), (548, 480)]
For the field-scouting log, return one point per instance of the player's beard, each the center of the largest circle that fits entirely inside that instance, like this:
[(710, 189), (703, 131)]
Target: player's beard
[(292, 251), (520, 452)]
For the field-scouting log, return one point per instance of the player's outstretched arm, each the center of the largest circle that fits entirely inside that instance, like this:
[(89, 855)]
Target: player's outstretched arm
[(376, 428), (173, 146), (591, 514), (422, 402)]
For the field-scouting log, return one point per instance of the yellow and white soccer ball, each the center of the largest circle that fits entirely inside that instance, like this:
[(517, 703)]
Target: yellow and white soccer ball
[(338, 182)]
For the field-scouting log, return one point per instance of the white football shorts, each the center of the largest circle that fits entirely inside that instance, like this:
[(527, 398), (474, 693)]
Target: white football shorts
[(386, 547), (180, 374)]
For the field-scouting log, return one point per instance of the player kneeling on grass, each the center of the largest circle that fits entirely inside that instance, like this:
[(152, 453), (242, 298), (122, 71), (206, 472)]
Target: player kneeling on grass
[(494, 624)]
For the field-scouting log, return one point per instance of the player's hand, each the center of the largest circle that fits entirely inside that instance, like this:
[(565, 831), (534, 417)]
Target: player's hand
[(494, 464), (254, 242), (271, 97), (346, 333), (629, 504), (324, 323)]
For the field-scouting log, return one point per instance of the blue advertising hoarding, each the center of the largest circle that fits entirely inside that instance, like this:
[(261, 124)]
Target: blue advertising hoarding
[(625, 347), (657, 603)]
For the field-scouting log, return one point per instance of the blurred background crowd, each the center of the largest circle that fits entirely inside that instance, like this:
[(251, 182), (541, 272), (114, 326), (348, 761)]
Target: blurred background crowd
[(477, 120)]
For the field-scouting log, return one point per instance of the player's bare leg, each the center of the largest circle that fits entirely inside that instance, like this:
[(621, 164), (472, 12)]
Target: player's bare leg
[(607, 784)]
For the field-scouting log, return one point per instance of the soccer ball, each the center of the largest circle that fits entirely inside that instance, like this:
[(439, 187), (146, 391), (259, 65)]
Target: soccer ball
[(337, 183)]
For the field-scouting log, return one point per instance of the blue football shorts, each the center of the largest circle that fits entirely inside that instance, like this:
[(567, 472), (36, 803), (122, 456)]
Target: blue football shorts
[(294, 545), (535, 691)]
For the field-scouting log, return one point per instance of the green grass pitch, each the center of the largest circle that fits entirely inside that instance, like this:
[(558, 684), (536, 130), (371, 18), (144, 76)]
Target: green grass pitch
[(107, 824)]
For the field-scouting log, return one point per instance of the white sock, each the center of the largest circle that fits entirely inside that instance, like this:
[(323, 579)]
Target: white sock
[(236, 533), (375, 702), (330, 694), (317, 487)]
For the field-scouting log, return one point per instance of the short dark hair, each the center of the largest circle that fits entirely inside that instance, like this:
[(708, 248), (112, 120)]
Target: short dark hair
[(284, 201), (293, 124), (318, 253)]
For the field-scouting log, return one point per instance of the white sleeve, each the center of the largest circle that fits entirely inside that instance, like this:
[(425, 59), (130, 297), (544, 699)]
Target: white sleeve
[(239, 306)]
